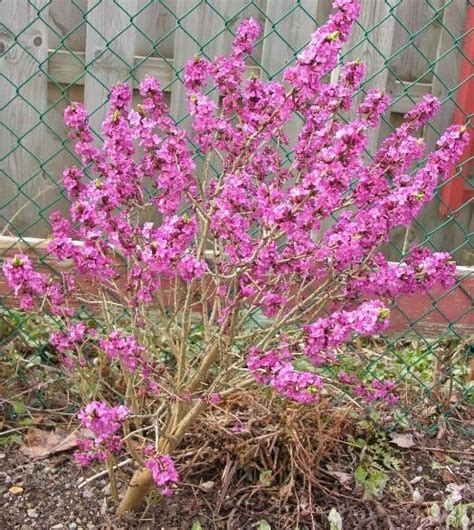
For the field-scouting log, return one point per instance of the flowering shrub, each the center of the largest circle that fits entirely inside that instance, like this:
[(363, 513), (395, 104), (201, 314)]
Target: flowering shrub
[(238, 234), (103, 422)]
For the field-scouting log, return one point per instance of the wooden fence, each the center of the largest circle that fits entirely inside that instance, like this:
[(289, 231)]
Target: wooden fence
[(54, 51)]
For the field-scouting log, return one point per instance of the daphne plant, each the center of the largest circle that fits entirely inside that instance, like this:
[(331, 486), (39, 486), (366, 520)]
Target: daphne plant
[(239, 234)]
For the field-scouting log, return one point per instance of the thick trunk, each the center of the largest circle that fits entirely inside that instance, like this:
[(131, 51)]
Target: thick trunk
[(136, 491), (142, 479)]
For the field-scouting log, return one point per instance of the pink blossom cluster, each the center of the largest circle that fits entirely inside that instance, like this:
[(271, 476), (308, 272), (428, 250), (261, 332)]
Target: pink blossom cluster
[(321, 55), (375, 391), (215, 398), (69, 341), (30, 286), (326, 334), (275, 368), (132, 359), (74, 335), (118, 345), (24, 280), (356, 233), (420, 271), (103, 422), (100, 205), (163, 470)]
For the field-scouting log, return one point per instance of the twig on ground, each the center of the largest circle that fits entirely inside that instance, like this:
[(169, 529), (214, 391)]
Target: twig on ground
[(468, 453), (104, 472), (16, 429)]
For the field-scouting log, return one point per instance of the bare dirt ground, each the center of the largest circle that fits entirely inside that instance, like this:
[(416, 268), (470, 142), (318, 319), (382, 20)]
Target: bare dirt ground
[(250, 480)]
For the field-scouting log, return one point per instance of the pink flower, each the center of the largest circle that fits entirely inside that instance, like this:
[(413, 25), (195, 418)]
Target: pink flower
[(321, 55), (22, 278), (327, 333), (30, 285), (71, 337), (272, 304), (275, 368), (299, 386), (375, 391), (163, 471), (75, 116), (117, 345), (265, 364), (239, 428), (104, 422), (72, 180), (214, 398), (374, 104), (421, 113), (246, 35), (195, 73), (189, 268), (419, 272)]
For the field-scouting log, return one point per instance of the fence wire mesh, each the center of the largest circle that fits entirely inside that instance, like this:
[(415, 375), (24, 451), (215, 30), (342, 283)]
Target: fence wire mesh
[(54, 52)]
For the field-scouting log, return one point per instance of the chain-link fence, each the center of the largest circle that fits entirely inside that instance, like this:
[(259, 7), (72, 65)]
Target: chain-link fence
[(54, 52)]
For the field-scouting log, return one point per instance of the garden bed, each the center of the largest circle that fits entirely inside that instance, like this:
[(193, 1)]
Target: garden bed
[(415, 485), (255, 461)]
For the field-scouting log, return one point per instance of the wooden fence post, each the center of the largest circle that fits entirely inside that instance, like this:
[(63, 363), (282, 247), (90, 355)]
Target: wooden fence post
[(110, 51), (288, 29), (23, 93), (445, 80)]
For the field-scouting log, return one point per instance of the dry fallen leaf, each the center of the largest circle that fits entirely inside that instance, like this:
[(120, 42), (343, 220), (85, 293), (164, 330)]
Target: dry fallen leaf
[(16, 490), (207, 486), (39, 443), (402, 440), (439, 456), (448, 476), (344, 478), (285, 490)]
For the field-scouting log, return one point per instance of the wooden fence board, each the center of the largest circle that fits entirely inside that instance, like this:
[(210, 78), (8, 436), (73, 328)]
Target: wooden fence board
[(91, 33), (66, 67), (24, 90), (415, 17), (110, 49), (371, 42), (445, 81), (68, 27), (155, 23)]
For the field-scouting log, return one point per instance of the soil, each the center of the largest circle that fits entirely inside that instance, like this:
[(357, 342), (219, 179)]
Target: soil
[(44, 494), (52, 500)]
